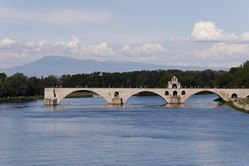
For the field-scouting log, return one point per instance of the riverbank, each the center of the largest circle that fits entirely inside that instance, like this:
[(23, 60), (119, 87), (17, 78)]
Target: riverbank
[(20, 99), (240, 105)]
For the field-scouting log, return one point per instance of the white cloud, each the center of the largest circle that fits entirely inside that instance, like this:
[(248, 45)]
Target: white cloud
[(223, 51), (101, 49), (207, 31), (26, 52), (53, 16), (6, 42), (74, 42), (30, 51), (13, 53), (245, 36), (146, 49)]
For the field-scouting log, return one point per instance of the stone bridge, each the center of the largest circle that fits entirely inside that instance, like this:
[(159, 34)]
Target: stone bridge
[(119, 96), (174, 94)]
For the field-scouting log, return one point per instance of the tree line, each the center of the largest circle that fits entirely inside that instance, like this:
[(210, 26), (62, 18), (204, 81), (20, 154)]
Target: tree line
[(21, 85)]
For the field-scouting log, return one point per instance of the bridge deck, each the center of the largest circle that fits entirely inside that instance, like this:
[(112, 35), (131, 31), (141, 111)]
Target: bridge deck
[(120, 95)]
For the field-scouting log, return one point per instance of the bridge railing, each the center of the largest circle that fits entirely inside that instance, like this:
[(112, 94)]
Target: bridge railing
[(182, 87)]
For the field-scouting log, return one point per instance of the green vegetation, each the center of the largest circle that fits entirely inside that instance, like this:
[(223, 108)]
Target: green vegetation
[(231, 104), (80, 94), (21, 85), (145, 94), (20, 99), (237, 104), (243, 101)]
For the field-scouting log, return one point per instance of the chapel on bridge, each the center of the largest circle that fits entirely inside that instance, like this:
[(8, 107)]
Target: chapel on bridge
[(174, 83)]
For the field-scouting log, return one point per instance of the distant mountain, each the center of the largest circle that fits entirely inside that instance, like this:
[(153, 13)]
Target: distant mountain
[(57, 65)]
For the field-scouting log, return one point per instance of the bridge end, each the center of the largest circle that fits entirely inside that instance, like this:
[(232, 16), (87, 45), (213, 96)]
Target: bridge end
[(50, 101), (50, 96)]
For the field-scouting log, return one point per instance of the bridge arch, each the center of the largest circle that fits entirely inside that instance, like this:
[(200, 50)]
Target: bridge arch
[(234, 96), (184, 92), (204, 90), (116, 94), (175, 93), (66, 93), (141, 91)]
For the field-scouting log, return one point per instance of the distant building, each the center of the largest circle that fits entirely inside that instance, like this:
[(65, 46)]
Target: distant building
[(174, 83)]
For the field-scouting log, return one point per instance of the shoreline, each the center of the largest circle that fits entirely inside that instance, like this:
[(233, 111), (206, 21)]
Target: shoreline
[(238, 105), (20, 99)]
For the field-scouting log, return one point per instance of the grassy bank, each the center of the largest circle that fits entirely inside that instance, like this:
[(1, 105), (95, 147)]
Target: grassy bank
[(20, 99), (240, 105), (237, 104)]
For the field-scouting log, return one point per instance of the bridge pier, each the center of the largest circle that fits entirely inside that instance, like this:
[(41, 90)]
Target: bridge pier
[(51, 101), (175, 100), (116, 101)]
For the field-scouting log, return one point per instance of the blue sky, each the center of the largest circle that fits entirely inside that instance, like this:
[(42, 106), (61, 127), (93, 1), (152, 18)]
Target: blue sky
[(172, 32)]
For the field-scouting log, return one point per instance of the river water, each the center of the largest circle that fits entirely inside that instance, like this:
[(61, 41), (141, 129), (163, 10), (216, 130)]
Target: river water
[(85, 131)]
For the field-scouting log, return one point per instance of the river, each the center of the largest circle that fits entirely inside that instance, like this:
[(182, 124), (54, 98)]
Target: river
[(85, 131)]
